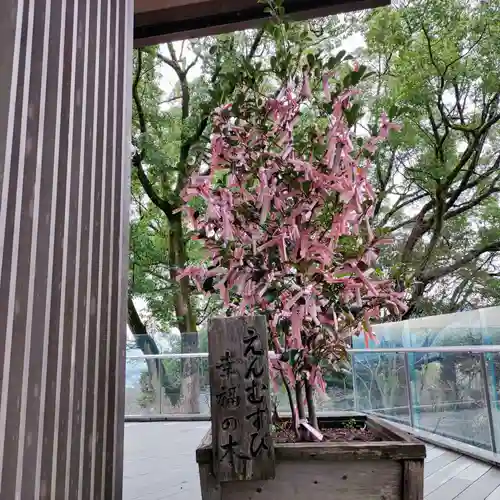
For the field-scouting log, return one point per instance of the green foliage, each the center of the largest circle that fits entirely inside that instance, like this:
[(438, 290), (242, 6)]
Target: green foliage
[(437, 74), (172, 131), (430, 64), (350, 424)]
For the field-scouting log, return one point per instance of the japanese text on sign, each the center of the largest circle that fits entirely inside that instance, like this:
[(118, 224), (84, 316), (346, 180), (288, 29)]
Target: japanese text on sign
[(239, 379)]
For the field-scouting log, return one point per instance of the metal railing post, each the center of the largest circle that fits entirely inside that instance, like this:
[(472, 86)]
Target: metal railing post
[(409, 389), (487, 400), (160, 399)]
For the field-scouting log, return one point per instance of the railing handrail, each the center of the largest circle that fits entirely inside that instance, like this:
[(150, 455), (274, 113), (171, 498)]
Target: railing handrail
[(469, 349)]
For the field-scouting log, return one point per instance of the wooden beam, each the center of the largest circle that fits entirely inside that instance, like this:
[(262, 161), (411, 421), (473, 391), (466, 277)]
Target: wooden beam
[(159, 21)]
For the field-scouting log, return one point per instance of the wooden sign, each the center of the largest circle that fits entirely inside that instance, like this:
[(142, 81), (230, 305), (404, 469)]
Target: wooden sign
[(240, 399)]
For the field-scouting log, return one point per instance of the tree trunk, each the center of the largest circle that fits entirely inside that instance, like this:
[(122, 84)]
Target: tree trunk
[(301, 412), (449, 378), (186, 318), (295, 422), (147, 345), (311, 406)]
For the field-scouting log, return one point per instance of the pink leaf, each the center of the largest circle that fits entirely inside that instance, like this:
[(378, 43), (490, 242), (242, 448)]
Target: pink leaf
[(317, 379), (296, 340), (264, 230)]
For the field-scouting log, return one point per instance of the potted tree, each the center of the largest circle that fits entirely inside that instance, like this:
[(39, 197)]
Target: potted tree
[(286, 214)]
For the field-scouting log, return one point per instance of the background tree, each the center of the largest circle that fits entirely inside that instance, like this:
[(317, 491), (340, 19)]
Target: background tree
[(170, 133), (438, 181), (169, 144), (435, 71)]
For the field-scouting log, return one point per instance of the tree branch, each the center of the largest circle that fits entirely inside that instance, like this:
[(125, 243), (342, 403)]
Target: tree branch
[(139, 156), (438, 227), (205, 314), (187, 143), (399, 205), (420, 228), (439, 140), (135, 93), (162, 204), (383, 181), (172, 62), (468, 257), (484, 175), (181, 75), (459, 104), (475, 156), (472, 203)]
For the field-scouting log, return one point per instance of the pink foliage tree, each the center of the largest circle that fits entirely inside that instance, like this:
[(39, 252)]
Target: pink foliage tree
[(286, 224)]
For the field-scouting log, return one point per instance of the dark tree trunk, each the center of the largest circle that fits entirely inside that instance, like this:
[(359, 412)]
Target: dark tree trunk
[(301, 412), (449, 378), (186, 318), (311, 408), (147, 345)]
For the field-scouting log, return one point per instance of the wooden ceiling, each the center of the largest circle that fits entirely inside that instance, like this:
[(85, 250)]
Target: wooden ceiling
[(158, 21)]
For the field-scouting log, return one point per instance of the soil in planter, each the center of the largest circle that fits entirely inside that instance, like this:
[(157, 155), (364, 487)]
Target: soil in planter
[(284, 433)]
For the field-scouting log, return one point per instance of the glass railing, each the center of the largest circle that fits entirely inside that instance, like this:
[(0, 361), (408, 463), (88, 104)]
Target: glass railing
[(446, 391), (167, 384)]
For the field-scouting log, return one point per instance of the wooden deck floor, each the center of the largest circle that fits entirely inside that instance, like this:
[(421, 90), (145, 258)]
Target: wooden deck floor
[(450, 476), (160, 465)]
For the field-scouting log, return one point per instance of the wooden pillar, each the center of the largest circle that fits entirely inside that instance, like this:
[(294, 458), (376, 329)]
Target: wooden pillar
[(65, 71)]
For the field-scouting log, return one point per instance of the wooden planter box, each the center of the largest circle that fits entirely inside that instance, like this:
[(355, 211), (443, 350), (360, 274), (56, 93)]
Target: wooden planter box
[(391, 469)]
